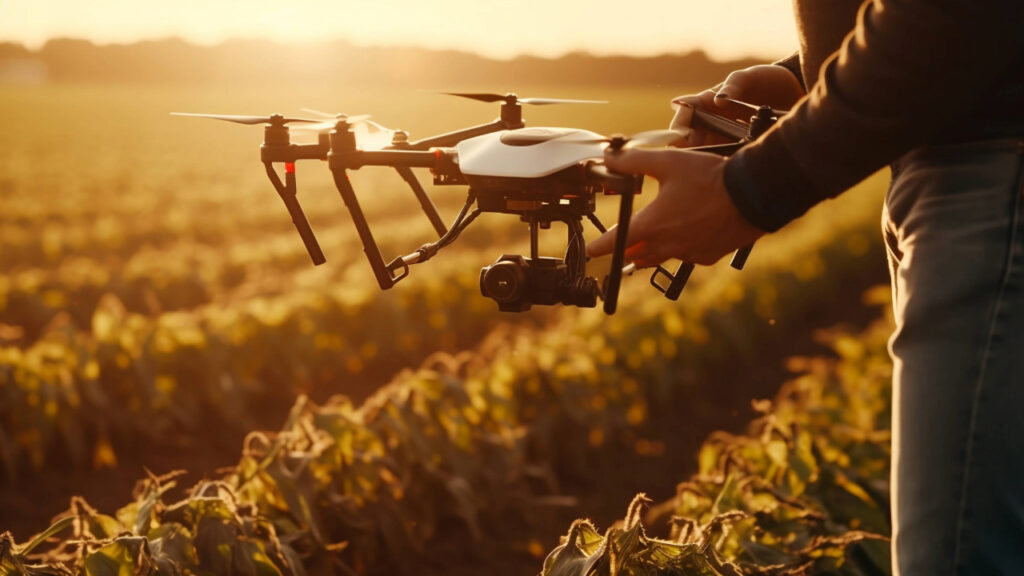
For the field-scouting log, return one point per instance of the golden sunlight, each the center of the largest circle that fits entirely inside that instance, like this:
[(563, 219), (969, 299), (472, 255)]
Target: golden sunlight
[(496, 28)]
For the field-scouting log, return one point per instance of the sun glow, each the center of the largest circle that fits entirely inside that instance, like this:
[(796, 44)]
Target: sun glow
[(497, 28)]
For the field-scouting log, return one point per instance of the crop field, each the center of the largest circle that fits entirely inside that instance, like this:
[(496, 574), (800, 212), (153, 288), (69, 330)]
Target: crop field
[(160, 322)]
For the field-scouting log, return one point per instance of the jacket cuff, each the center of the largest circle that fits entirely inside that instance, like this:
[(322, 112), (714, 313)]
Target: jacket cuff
[(792, 63), (767, 186)]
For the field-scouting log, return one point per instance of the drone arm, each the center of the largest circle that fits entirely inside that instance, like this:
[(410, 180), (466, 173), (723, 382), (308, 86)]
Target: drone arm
[(292, 152), (288, 192), (395, 158), (453, 138)]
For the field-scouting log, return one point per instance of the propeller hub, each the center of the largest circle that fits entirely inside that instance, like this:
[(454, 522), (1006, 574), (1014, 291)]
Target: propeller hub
[(276, 134)]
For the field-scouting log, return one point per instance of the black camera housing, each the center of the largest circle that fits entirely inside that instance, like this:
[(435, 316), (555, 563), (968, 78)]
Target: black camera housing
[(516, 283)]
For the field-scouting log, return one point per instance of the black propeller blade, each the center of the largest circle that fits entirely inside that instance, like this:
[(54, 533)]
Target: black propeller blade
[(514, 99), (275, 119)]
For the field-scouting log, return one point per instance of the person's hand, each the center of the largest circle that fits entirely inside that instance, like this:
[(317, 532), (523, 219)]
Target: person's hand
[(764, 84), (692, 218)]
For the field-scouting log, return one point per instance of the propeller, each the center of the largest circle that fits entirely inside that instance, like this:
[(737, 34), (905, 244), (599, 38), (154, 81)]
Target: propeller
[(318, 125), (369, 135), (649, 138), (316, 112), (754, 107), (513, 99), (274, 119)]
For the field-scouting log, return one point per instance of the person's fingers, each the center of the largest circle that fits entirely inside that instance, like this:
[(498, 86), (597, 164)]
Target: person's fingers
[(645, 253), (641, 227), (705, 99), (737, 84), (683, 118), (603, 244), (655, 163), (638, 250), (700, 135), (647, 262)]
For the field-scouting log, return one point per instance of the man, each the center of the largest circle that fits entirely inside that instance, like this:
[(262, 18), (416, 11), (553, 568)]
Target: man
[(936, 88)]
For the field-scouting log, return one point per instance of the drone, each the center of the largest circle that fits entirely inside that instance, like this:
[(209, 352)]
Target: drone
[(542, 175)]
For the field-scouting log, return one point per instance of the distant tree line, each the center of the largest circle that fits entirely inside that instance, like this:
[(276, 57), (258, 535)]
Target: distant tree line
[(175, 60)]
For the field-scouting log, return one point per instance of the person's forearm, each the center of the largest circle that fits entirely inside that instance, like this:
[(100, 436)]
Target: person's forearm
[(909, 70)]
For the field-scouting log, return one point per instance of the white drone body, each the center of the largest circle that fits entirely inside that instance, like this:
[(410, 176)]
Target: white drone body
[(528, 152)]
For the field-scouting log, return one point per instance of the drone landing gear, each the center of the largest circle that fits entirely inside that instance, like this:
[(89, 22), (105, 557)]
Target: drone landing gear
[(614, 279), (289, 193)]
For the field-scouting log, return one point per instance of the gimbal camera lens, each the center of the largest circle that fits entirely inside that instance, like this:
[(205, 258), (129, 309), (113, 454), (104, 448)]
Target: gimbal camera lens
[(503, 281)]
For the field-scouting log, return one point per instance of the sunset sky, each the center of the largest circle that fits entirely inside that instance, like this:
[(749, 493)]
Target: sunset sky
[(500, 28)]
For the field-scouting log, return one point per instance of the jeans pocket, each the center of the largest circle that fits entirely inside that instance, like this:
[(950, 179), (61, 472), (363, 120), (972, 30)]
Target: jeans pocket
[(966, 179)]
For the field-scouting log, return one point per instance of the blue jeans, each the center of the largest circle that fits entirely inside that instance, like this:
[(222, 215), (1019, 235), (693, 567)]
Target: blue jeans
[(954, 229)]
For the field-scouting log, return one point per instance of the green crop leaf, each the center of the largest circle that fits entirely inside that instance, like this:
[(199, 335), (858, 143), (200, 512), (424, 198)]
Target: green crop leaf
[(122, 557), (582, 550)]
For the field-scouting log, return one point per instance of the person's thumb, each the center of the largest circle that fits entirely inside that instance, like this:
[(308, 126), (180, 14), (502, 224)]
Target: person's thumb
[(683, 119)]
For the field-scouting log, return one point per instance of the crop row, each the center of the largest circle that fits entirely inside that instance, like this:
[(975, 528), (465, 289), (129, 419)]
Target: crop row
[(104, 231), (466, 446), (371, 489), (189, 275), (804, 491), (78, 395)]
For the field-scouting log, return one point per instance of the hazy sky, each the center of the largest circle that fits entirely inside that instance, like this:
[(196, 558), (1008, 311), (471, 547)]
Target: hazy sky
[(725, 28)]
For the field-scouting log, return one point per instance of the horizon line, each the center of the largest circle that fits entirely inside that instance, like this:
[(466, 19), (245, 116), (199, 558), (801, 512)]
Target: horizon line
[(37, 46)]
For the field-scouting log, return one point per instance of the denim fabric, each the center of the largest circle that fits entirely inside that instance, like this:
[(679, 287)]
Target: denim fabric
[(954, 229)]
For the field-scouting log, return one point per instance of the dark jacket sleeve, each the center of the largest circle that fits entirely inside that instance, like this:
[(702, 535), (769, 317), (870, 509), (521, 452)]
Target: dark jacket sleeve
[(910, 69), (792, 63)]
